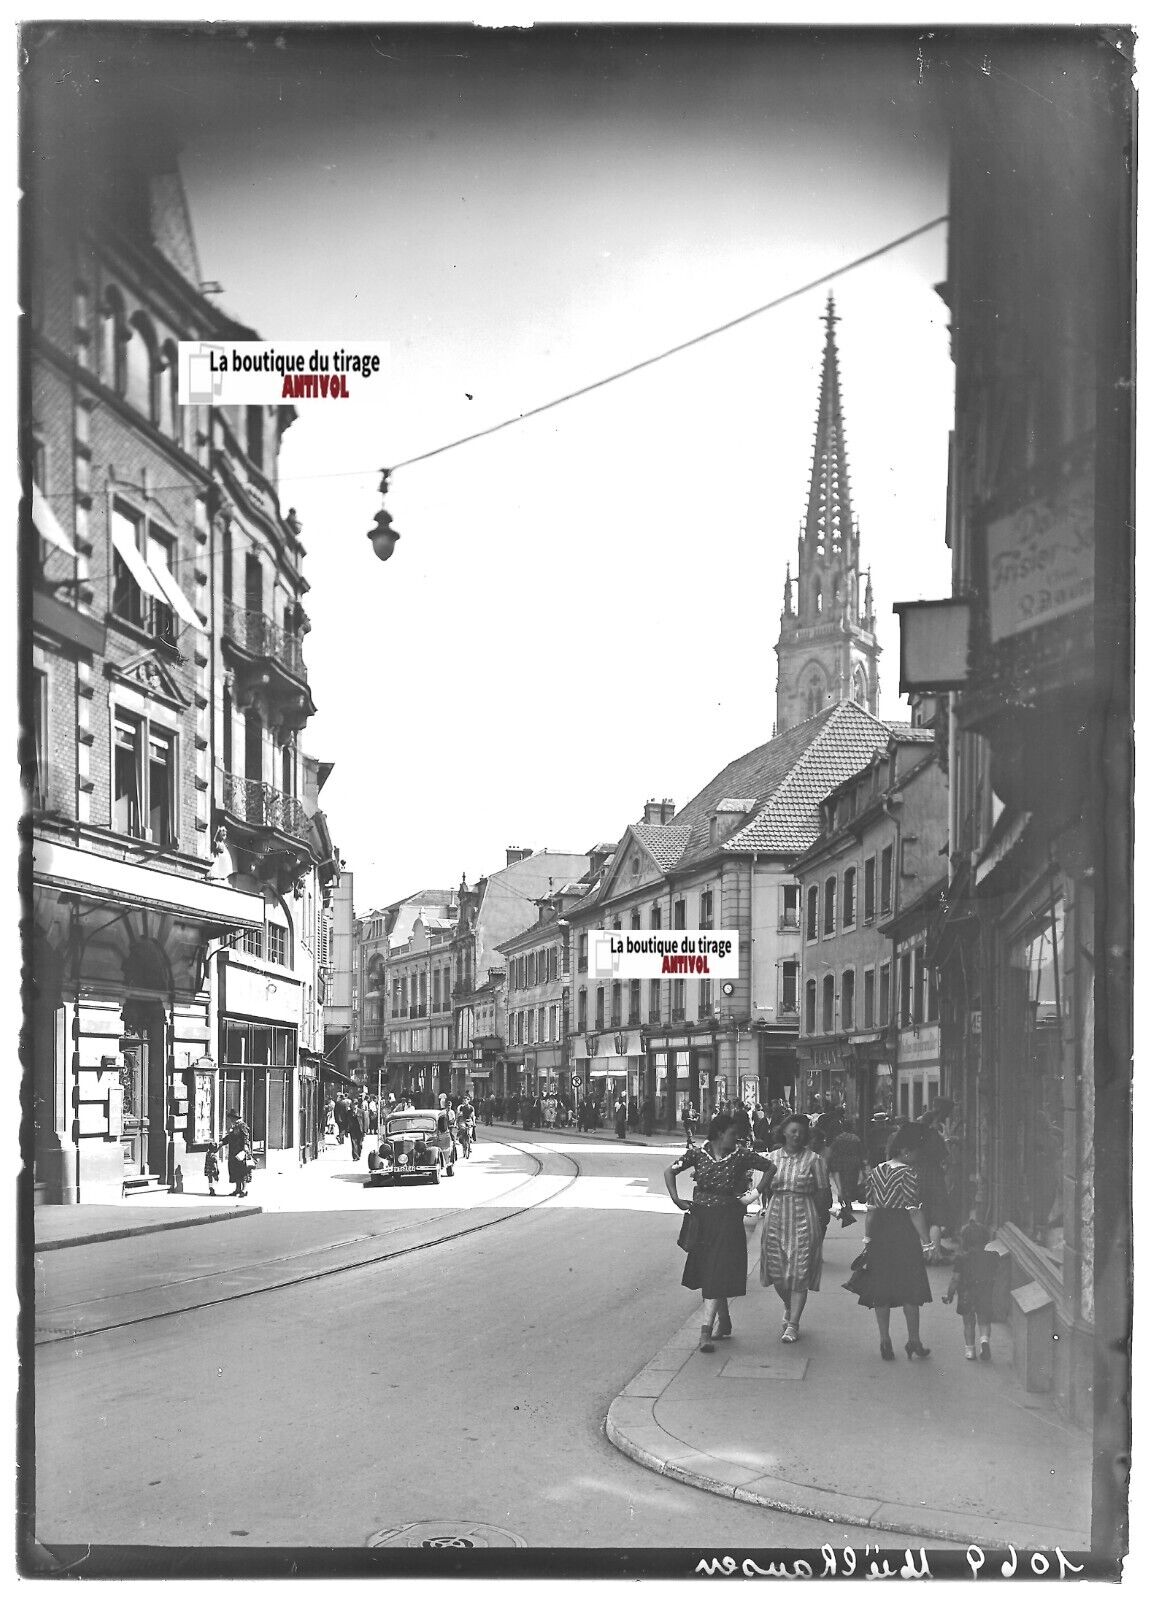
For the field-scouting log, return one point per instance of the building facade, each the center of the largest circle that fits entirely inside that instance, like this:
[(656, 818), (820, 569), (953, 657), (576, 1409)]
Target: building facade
[(726, 860), (489, 913), (126, 495), (536, 1056), (880, 847), (827, 649), (1034, 945)]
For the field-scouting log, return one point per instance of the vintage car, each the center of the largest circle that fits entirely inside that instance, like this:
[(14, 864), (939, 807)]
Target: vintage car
[(412, 1145)]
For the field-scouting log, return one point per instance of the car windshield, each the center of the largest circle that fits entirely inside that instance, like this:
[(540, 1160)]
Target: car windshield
[(410, 1124)]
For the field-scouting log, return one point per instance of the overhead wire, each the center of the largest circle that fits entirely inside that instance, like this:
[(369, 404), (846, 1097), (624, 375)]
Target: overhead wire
[(589, 388)]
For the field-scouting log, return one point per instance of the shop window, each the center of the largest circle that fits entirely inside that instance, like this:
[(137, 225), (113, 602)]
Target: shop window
[(829, 907), (813, 912), (810, 1017), (829, 1003)]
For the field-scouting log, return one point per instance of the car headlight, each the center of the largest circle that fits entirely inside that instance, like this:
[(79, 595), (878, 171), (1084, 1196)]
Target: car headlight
[(403, 1161)]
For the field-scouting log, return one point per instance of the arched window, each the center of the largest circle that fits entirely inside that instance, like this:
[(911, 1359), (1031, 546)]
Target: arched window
[(168, 411), (810, 1024), (829, 1003), (847, 1014), (813, 911), (112, 336), (817, 598), (141, 367)]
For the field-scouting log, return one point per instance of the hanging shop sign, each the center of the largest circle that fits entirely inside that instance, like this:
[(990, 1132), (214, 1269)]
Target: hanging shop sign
[(1041, 559)]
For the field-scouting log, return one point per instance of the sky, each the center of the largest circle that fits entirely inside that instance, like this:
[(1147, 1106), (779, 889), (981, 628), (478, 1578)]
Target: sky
[(581, 612)]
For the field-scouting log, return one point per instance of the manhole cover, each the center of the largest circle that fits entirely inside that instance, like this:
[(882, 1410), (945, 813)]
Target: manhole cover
[(446, 1536)]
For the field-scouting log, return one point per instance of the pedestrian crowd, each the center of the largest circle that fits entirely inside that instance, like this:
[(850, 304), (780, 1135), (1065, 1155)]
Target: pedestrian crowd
[(801, 1169)]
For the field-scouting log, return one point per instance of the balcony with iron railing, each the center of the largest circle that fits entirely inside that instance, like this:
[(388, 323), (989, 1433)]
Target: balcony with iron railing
[(262, 806), (259, 636)]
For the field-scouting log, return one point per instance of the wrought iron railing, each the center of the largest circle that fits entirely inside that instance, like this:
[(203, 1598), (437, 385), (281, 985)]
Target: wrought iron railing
[(260, 636), (263, 806)]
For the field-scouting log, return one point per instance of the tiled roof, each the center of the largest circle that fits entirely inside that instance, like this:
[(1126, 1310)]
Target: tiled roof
[(665, 843), (833, 745)]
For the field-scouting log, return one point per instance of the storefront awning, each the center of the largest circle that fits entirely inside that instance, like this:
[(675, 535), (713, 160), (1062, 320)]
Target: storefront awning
[(1002, 840), (213, 905), (46, 525)]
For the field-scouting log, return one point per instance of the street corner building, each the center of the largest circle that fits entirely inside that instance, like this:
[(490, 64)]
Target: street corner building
[(179, 864), (1032, 656)]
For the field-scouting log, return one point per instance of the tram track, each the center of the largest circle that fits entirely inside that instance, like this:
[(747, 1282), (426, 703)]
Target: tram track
[(45, 1337)]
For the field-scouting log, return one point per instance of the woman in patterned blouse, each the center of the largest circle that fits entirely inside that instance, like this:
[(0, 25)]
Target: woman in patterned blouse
[(798, 1207), (716, 1262), (896, 1231)]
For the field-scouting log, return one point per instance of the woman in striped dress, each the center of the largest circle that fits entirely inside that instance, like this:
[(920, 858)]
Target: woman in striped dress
[(896, 1231), (798, 1206)]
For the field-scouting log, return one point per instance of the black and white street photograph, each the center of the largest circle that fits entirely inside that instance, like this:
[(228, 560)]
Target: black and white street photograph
[(575, 628)]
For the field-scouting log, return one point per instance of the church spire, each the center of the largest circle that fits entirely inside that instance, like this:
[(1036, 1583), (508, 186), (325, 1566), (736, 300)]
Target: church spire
[(827, 647), (829, 524)]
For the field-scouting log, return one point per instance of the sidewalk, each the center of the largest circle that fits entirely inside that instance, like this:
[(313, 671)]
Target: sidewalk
[(941, 1448)]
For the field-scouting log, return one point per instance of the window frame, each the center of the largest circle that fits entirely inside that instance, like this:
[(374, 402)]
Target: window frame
[(812, 930), (830, 905), (850, 887), (145, 731)]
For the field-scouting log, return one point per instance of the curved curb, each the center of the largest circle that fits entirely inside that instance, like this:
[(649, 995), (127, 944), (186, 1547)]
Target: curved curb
[(633, 1428)]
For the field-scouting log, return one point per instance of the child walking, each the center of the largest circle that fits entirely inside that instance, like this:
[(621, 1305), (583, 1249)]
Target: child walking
[(212, 1168), (972, 1280)]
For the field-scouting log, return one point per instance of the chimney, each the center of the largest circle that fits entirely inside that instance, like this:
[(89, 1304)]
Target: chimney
[(513, 853), (652, 814), (667, 812)]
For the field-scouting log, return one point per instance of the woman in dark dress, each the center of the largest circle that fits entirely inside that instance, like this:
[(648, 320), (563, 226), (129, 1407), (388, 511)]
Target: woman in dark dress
[(716, 1262), (896, 1231), (240, 1148)]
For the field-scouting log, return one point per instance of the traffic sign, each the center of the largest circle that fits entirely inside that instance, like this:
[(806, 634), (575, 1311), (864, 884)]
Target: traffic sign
[(577, 1082)]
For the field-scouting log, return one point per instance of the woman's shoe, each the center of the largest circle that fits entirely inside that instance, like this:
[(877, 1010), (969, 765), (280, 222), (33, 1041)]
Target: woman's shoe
[(914, 1348), (790, 1334), (969, 1352), (705, 1343), (724, 1329), (984, 1350), (887, 1350)]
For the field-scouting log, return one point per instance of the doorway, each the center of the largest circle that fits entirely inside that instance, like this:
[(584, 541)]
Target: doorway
[(142, 1077)]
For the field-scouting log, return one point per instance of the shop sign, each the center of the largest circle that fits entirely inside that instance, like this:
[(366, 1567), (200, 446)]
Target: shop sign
[(1041, 559), (920, 1045)]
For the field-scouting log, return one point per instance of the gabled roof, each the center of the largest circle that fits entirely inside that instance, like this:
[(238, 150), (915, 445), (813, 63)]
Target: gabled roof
[(788, 821), (664, 843)]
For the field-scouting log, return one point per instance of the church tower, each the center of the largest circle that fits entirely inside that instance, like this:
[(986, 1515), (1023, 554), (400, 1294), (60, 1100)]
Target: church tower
[(827, 648)]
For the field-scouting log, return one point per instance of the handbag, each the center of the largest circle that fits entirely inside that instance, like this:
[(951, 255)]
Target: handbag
[(860, 1278), (688, 1233)]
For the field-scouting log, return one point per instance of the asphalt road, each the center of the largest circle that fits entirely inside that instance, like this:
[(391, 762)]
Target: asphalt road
[(465, 1380)]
